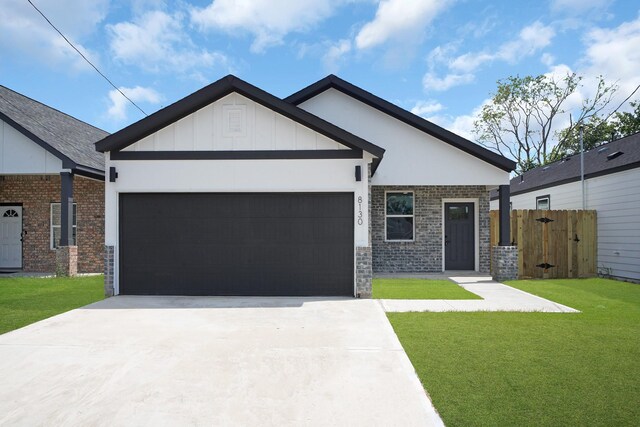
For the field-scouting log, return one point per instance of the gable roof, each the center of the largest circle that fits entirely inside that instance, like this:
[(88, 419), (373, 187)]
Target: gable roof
[(334, 82), (602, 160), (69, 139), (218, 90)]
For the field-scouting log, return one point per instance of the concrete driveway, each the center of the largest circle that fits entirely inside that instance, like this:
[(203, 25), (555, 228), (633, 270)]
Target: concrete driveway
[(211, 361)]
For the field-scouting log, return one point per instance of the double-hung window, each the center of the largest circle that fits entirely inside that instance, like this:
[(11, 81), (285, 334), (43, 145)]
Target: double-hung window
[(399, 216), (56, 217)]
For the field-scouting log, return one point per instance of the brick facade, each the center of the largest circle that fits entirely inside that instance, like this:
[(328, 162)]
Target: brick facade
[(425, 253), (36, 193)]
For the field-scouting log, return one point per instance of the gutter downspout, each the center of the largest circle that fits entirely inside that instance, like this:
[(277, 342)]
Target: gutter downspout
[(584, 201)]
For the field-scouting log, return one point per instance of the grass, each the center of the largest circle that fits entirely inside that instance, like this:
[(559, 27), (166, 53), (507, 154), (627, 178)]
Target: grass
[(419, 289), (542, 369), (25, 300)]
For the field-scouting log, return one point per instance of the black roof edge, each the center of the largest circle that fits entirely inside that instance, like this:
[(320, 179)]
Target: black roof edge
[(335, 82), (617, 169), (89, 172), (217, 90), (66, 161)]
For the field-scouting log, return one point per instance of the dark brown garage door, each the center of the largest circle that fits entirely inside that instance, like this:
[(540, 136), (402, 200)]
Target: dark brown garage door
[(283, 244)]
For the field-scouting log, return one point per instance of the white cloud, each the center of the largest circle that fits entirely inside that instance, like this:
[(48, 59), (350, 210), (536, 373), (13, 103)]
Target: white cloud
[(157, 41), (120, 105), (398, 18), (26, 32), (426, 108), (614, 54), (575, 7), (547, 59), (432, 82), (268, 21), (335, 54), (530, 40)]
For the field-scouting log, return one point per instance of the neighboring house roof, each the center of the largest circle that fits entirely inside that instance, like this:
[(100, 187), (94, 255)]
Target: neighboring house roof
[(334, 82), (69, 139), (218, 90), (612, 157)]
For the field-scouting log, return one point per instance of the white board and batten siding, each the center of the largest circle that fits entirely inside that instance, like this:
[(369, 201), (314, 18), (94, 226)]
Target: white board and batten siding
[(20, 155), (216, 128), (235, 123), (616, 198), (412, 157)]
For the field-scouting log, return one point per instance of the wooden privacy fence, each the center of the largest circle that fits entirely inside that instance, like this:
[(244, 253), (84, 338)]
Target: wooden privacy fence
[(552, 244)]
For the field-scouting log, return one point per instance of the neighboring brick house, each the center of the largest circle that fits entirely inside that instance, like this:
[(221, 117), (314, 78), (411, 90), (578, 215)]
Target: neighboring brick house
[(47, 156)]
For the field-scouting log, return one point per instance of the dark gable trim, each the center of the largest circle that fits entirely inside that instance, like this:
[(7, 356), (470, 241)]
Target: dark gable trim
[(236, 155), (67, 163), (403, 115), (621, 168), (218, 90)]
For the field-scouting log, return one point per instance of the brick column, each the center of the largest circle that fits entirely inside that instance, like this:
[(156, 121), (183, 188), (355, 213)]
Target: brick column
[(109, 270), (67, 261), (504, 264), (364, 272)]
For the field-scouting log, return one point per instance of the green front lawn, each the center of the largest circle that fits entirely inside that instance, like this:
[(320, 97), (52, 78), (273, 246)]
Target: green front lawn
[(24, 300), (419, 289), (542, 369)]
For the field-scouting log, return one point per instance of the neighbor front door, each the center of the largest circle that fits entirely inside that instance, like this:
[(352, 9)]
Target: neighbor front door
[(459, 246), (10, 236)]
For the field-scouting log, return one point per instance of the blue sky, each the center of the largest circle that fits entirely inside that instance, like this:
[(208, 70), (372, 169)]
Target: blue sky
[(437, 58)]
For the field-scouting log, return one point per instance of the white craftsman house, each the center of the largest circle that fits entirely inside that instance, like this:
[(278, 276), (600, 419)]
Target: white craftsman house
[(611, 187), (233, 191)]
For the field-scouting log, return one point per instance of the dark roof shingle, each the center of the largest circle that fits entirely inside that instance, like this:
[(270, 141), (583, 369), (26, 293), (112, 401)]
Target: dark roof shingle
[(65, 135), (602, 160)]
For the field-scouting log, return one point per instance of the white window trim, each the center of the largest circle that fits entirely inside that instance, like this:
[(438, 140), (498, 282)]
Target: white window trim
[(51, 226), (476, 226), (413, 196)]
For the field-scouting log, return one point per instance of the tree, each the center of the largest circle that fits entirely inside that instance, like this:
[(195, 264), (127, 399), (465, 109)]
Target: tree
[(519, 121), (595, 132), (598, 130), (629, 123)]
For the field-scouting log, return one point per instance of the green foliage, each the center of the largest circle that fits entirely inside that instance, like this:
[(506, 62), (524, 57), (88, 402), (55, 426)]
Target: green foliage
[(629, 123), (519, 121), (419, 289), (596, 131), (24, 300), (542, 369)]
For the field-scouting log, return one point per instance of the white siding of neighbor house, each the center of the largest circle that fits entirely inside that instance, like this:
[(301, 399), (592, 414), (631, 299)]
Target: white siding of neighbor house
[(616, 198), (209, 129), (412, 157), (20, 155)]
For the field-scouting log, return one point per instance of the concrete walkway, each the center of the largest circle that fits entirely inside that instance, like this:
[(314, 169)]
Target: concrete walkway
[(496, 297)]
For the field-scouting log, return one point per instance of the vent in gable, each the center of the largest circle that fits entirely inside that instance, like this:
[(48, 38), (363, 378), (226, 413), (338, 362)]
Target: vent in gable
[(234, 120)]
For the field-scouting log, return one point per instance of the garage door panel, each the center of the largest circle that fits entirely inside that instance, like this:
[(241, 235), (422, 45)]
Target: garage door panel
[(236, 244)]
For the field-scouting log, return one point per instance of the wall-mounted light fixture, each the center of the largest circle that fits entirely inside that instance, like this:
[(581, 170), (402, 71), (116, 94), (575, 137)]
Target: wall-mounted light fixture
[(358, 173), (113, 175)]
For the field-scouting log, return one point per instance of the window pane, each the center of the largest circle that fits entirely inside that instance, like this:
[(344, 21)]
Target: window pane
[(55, 214), (458, 212), (399, 204), (400, 228), (543, 204), (56, 237)]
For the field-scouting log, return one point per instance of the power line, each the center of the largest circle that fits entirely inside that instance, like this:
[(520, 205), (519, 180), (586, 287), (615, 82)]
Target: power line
[(85, 58)]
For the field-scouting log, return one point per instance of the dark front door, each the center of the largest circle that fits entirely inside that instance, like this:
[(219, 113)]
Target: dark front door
[(459, 247), (264, 244)]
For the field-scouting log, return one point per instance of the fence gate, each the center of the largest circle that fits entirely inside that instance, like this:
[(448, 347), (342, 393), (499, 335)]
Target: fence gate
[(552, 244)]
